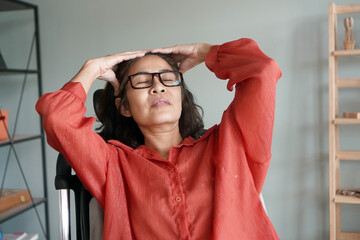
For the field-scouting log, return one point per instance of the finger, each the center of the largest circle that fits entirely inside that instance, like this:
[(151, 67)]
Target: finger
[(163, 50), (129, 52), (129, 55), (112, 60), (183, 68), (178, 57), (126, 55), (116, 85), (188, 64)]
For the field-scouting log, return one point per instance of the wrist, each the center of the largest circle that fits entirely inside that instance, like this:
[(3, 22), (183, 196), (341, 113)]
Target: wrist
[(87, 75), (91, 69), (203, 50)]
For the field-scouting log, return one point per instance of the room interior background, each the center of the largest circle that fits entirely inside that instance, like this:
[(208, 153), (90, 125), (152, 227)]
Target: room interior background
[(294, 33)]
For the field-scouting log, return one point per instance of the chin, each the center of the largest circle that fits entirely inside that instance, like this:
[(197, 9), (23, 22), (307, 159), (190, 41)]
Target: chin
[(164, 120), (159, 119)]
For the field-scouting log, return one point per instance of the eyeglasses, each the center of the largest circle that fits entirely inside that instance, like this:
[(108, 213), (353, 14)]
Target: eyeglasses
[(145, 80)]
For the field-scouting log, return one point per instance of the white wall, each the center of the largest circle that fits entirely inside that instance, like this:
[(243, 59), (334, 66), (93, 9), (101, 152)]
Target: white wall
[(295, 33)]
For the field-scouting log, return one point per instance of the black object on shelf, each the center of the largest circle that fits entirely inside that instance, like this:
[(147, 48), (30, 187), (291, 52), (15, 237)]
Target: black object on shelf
[(11, 5), (2, 62)]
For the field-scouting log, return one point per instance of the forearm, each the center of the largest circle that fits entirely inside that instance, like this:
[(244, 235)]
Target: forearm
[(250, 117), (71, 134), (87, 75)]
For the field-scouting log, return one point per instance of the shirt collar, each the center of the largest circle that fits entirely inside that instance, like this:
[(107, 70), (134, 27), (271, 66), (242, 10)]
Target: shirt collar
[(149, 153)]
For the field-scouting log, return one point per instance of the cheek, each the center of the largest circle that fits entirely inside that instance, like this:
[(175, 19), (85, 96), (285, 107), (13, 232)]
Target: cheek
[(136, 101), (136, 95), (179, 99)]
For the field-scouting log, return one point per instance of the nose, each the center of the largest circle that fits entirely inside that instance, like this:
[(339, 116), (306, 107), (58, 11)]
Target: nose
[(157, 86)]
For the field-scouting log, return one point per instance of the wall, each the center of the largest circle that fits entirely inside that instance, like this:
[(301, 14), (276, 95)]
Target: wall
[(294, 33)]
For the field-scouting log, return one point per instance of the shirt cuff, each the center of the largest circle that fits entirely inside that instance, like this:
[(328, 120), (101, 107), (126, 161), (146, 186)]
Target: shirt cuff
[(211, 57), (75, 88)]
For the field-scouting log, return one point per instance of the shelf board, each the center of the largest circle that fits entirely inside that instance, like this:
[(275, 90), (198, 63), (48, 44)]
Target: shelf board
[(348, 82), (6, 5), (346, 121), (349, 235), (12, 212), (346, 199), (347, 8), (20, 138), (346, 52), (17, 71), (348, 155)]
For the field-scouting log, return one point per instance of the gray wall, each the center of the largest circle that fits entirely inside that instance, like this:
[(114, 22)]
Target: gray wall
[(295, 33)]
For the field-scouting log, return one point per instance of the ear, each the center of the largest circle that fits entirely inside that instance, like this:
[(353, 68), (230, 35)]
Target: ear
[(124, 108)]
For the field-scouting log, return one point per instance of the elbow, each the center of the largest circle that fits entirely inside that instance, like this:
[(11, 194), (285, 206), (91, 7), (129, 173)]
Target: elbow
[(272, 70), (52, 123)]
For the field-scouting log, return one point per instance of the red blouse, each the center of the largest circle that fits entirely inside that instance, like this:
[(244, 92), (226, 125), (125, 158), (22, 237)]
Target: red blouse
[(208, 189)]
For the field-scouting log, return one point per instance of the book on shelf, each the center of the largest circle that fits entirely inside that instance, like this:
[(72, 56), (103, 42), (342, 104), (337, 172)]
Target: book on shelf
[(33, 236), (14, 236), (20, 236), (13, 197), (2, 62), (351, 115)]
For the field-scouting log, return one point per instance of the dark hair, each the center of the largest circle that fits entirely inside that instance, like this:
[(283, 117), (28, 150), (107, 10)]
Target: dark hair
[(125, 129)]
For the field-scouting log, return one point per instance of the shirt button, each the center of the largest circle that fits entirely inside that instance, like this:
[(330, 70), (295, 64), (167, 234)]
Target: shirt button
[(178, 199), (170, 169)]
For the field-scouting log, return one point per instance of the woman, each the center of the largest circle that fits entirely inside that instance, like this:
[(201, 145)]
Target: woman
[(170, 185)]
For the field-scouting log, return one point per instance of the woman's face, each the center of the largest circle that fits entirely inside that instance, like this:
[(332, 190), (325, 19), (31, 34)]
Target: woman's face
[(158, 105)]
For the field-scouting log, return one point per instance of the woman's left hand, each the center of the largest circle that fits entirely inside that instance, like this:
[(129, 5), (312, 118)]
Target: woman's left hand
[(188, 55)]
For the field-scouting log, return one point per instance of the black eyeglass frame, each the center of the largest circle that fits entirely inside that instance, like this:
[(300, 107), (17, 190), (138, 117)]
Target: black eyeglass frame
[(152, 79)]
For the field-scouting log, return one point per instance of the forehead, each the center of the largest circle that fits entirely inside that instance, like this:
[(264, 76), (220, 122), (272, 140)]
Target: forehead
[(150, 63)]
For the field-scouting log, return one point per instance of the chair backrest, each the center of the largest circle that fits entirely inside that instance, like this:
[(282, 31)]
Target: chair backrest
[(64, 182)]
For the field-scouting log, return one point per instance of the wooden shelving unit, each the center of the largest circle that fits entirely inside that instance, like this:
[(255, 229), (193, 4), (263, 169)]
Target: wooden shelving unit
[(15, 138), (336, 155)]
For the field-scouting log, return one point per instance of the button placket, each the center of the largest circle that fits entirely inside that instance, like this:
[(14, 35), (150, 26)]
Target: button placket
[(175, 177), (178, 199)]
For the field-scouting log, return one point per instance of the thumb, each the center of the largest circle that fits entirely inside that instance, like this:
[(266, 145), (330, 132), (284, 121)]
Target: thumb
[(187, 64), (116, 85)]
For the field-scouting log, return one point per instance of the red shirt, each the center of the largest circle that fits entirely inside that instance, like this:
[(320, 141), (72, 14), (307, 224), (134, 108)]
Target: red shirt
[(208, 189)]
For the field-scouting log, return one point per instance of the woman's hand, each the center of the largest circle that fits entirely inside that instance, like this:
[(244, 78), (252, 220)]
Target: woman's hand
[(104, 68), (188, 55)]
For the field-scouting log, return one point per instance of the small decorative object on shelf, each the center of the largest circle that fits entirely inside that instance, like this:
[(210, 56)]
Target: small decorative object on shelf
[(350, 192), (349, 43), (13, 197), (3, 124), (351, 115), (2, 62)]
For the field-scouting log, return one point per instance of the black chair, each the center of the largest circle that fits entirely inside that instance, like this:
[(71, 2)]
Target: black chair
[(66, 181)]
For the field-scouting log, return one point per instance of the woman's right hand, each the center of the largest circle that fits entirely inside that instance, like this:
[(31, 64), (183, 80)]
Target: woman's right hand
[(103, 68)]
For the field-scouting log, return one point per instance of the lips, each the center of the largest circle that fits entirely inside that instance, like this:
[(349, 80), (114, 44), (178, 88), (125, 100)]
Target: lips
[(160, 102)]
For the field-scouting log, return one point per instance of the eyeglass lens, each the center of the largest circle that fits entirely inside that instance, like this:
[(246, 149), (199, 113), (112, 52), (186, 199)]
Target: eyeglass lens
[(144, 80)]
